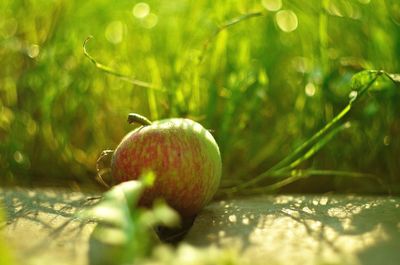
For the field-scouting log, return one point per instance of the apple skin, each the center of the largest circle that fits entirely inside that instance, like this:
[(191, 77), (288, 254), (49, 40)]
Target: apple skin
[(184, 157)]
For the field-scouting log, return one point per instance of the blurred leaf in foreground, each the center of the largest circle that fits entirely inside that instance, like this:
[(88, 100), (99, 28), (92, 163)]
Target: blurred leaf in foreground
[(124, 232), (190, 255)]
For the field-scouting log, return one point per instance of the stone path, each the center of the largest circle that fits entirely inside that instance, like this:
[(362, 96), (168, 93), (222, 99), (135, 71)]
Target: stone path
[(41, 228)]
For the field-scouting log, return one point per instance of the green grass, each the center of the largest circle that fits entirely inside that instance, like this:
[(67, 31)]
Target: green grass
[(231, 66)]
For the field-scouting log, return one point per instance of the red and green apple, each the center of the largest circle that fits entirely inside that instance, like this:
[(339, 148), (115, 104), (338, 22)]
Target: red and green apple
[(183, 155)]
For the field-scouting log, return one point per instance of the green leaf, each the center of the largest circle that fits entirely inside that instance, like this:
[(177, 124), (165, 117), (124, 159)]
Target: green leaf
[(125, 232), (161, 214), (109, 70), (362, 79)]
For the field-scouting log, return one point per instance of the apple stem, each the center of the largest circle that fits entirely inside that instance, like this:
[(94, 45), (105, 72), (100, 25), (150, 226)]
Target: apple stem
[(134, 117)]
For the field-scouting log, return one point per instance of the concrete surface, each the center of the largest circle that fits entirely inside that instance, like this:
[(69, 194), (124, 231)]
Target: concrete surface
[(41, 228)]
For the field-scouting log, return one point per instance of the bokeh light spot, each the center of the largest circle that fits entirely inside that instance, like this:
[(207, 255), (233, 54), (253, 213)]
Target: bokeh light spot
[(287, 20), (31, 127), (386, 140), (221, 233), (18, 157), (141, 10), (115, 32), (310, 89), (272, 5), (150, 21), (353, 94), (33, 50), (232, 218)]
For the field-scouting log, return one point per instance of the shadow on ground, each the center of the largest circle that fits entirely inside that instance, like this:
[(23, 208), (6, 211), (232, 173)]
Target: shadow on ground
[(42, 225), (305, 229), (27, 204)]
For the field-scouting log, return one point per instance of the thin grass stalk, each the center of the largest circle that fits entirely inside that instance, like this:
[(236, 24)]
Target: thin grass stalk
[(302, 153)]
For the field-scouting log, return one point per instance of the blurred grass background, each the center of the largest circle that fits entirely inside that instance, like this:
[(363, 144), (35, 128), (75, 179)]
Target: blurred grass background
[(263, 86)]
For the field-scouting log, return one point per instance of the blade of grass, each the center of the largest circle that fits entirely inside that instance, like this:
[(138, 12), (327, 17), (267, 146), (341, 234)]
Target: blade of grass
[(323, 36), (226, 25), (315, 148), (395, 78), (111, 71), (295, 175), (283, 172), (302, 152)]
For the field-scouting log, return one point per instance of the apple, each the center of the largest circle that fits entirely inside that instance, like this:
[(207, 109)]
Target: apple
[(183, 155)]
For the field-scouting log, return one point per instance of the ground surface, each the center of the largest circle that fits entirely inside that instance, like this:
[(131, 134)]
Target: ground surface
[(42, 229)]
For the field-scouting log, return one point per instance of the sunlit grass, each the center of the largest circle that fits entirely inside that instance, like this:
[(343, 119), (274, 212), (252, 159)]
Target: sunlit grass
[(263, 85)]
